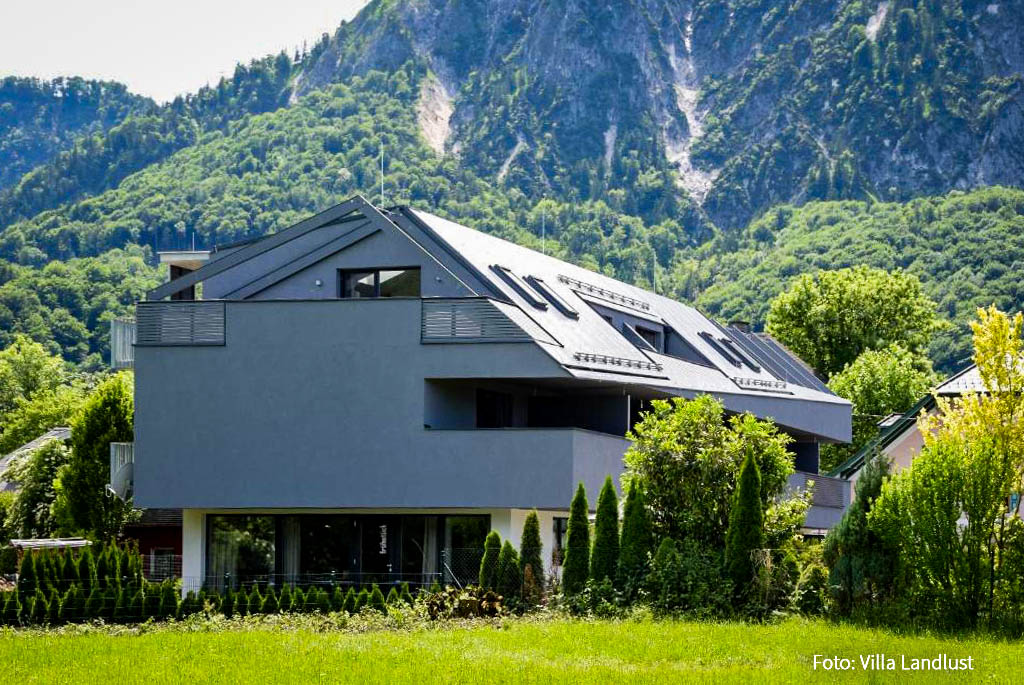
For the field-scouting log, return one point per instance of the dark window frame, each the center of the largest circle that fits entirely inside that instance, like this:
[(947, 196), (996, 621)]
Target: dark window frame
[(375, 270)]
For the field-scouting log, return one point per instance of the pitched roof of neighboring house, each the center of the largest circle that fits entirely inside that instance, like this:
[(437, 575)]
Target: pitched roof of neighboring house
[(891, 429), (562, 308), (59, 433)]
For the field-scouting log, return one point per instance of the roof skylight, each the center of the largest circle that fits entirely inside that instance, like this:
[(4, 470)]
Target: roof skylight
[(525, 291), (548, 292)]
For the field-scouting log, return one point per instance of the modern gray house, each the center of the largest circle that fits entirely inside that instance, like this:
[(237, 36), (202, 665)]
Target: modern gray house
[(369, 391)]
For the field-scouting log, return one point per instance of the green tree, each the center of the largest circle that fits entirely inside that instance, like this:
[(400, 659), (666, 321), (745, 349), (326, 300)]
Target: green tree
[(509, 581), (604, 559), (686, 456), (576, 568), (831, 318), (947, 515), (362, 599), (637, 541), (47, 409), (26, 369), (862, 565), (270, 603), (488, 577), (350, 601), (28, 581), (745, 537), (393, 597), (530, 548), (169, 600), (82, 503), (376, 600), (878, 383)]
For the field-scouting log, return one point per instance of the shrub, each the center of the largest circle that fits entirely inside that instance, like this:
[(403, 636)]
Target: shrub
[(323, 602), (298, 599), (122, 607), (286, 599), (270, 603), (809, 598), (11, 609), (470, 602), (86, 569), (151, 601), (688, 578), (637, 543), (227, 603), (255, 601), (27, 583), (362, 599), (187, 607), (392, 599), (576, 569), (509, 583), (93, 605), (40, 608), (406, 594), (376, 600), (135, 608), (53, 607), (168, 600), (530, 552), (337, 599), (604, 559), (746, 529), (350, 603), (8, 559), (489, 564)]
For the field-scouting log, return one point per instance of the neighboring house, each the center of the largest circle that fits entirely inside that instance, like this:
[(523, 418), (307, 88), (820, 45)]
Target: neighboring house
[(365, 394), (899, 437), (61, 433)]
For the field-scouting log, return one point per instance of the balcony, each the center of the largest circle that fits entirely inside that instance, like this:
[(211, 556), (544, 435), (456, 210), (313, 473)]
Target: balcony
[(122, 343), (122, 467), (829, 500)]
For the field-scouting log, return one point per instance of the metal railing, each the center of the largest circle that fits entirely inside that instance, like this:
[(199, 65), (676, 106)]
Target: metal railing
[(446, 320), (165, 324), (122, 343), (828, 492), (122, 468)]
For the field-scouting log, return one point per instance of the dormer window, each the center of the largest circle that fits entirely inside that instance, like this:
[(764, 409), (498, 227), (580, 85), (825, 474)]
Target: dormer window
[(384, 282)]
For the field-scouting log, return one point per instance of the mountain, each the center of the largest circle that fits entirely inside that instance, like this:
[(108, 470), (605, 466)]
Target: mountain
[(715, 148), (39, 119)]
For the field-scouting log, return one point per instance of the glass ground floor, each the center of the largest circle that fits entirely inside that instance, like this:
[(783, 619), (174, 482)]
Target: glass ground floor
[(343, 548)]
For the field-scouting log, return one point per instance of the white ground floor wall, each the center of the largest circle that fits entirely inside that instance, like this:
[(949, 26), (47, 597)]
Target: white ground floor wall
[(507, 522)]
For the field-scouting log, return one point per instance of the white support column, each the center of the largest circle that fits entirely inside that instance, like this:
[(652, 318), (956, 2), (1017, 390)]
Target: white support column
[(193, 549)]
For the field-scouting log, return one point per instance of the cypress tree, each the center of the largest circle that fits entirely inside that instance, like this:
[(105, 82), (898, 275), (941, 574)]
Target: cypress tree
[(227, 603), (67, 606), (40, 608), (350, 601), (311, 599), (168, 600), (392, 599), (406, 594), (93, 605), (530, 547), (53, 607), (576, 568), (323, 601), (70, 570), (102, 570), (86, 569), (489, 563), (509, 583), (298, 600), (122, 608), (746, 528), (255, 601), (12, 609), (135, 609), (188, 605), (337, 599), (270, 603), (151, 601), (27, 577), (109, 603), (362, 599), (637, 542), (604, 560), (376, 600), (241, 607), (286, 599)]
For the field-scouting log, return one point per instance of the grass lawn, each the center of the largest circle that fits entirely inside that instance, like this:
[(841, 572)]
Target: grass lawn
[(517, 651)]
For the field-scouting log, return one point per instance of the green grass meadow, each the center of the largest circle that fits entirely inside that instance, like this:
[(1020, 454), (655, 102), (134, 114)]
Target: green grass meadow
[(528, 651)]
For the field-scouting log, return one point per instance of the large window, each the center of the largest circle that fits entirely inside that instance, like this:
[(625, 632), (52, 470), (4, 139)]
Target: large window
[(242, 546), (397, 282)]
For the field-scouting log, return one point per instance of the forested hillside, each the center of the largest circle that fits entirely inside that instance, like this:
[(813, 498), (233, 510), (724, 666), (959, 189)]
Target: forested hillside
[(39, 119), (716, 148)]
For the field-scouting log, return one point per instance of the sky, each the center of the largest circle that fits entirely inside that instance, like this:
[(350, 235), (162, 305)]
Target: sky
[(159, 49)]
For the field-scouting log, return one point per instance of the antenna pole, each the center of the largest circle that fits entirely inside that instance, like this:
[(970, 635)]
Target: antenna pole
[(543, 233), (382, 173)]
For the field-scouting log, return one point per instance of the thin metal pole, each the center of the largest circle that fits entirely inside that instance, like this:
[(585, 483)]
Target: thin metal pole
[(543, 233), (382, 173)]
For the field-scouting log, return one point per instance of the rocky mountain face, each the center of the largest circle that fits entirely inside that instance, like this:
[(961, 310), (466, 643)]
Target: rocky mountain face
[(742, 104)]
